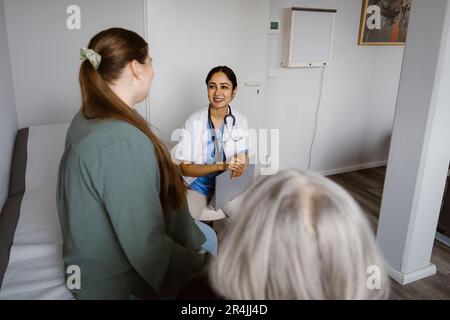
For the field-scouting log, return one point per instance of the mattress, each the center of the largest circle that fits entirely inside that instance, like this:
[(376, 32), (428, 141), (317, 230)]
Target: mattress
[(35, 269)]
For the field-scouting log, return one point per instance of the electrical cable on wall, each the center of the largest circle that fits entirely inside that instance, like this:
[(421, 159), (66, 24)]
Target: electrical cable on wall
[(316, 120), (307, 42)]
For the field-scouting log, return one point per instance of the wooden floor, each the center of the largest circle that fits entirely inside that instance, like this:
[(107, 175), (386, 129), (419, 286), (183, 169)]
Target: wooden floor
[(366, 186)]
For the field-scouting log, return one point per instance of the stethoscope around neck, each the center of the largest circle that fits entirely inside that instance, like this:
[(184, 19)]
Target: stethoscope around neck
[(218, 147), (230, 135)]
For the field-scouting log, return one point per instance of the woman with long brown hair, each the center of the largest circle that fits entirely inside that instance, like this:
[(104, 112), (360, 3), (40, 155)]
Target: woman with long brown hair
[(121, 201)]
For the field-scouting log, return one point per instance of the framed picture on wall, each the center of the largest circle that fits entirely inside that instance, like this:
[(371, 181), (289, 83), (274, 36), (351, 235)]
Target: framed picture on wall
[(384, 22)]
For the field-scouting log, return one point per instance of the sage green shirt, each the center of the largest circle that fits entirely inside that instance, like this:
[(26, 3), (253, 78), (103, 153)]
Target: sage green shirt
[(112, 222)]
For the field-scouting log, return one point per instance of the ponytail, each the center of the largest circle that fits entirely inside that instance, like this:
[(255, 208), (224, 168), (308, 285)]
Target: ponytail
[(118, 47)]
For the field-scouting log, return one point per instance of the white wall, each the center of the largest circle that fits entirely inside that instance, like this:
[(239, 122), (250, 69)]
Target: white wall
[(8, 115), (358, 100), (45, 55), (359, 92), (187, 39)]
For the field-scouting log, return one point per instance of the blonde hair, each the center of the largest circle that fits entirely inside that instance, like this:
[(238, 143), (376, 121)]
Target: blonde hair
[(298, 236)]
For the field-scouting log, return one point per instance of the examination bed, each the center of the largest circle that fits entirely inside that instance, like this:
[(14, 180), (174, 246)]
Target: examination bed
[(31, 265)]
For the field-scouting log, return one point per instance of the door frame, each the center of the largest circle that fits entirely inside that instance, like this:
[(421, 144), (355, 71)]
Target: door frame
[(146, 14)]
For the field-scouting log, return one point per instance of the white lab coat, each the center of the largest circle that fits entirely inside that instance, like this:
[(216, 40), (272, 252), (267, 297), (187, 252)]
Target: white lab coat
[(193, 141)]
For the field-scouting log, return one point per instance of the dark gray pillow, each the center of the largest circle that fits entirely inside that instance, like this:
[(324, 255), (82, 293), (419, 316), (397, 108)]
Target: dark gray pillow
[(19, 163), (9, 218)]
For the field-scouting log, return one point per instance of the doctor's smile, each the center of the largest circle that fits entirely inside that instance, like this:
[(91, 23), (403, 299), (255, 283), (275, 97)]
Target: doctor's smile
[(220, 92)]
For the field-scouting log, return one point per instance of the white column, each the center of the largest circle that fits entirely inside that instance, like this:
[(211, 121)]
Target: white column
[(420, 146)]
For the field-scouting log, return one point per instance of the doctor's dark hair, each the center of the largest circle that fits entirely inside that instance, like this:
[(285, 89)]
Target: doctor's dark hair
[(118, 47), (228, 72)]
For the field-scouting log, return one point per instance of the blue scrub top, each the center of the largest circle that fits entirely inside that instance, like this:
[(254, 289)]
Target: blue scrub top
[(205, 184)]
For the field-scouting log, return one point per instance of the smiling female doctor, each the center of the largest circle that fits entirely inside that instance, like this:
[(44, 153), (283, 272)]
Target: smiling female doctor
[(214, 139)]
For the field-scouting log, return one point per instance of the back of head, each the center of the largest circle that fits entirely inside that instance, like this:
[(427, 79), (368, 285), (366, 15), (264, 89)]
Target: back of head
[(117, 47), (297, 236)]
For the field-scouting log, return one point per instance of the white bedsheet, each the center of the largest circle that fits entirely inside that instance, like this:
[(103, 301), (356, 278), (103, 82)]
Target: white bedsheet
[(36, 269)]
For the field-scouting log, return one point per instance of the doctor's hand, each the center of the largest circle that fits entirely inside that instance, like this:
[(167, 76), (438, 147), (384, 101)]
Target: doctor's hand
[(236, 169), (238, 165)]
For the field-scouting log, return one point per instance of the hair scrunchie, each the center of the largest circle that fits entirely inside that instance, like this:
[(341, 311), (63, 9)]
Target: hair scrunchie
[(93, 57)]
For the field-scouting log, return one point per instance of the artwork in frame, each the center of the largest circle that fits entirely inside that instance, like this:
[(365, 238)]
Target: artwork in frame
[(384, 22)]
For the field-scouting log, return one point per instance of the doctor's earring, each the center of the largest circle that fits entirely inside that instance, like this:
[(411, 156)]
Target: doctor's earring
[(138, 83)]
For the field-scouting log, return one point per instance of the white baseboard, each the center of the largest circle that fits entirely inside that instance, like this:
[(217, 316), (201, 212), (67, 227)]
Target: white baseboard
[(405, 278), (443, 239), (353, 168)]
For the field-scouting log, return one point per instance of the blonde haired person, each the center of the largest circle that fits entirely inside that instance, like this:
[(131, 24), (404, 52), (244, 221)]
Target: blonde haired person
[(297, 236)]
